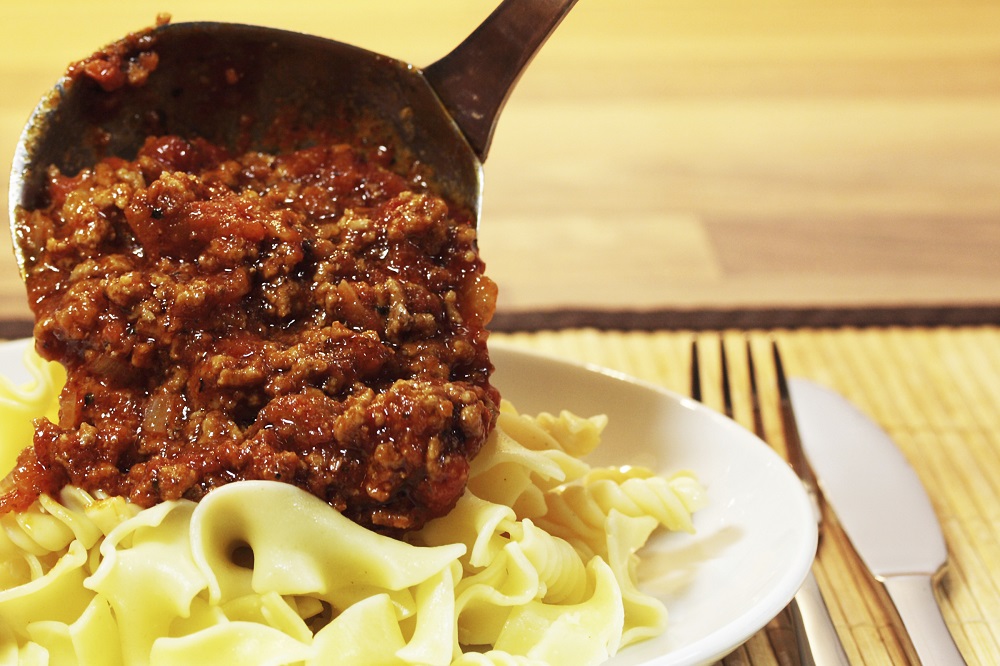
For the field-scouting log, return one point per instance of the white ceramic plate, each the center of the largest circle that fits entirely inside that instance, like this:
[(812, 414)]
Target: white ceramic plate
[(754, 542)]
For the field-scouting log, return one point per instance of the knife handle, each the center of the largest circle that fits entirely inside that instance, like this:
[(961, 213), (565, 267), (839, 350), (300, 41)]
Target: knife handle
[(913, 597), (819, 644)]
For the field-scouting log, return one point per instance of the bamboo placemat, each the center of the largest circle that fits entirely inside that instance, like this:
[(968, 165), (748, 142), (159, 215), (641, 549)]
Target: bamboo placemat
[(935, 390)]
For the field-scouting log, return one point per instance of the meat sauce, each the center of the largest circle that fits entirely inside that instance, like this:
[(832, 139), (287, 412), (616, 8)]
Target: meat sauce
[(311, 317)]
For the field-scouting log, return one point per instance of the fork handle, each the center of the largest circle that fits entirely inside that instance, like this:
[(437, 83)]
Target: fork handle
[(818, 642)]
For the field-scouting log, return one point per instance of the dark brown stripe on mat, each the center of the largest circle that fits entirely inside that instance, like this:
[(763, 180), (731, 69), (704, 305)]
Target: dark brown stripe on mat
[(705, 319), (12, 329), (747, 318)]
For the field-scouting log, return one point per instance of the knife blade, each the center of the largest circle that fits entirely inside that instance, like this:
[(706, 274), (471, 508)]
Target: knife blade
[(883, 508)]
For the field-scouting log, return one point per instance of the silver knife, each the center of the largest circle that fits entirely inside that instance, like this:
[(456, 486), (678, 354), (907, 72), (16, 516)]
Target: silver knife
[(883, 509)]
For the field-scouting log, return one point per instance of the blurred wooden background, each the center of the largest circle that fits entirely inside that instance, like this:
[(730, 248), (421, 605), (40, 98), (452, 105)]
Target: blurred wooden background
[(676, 153)]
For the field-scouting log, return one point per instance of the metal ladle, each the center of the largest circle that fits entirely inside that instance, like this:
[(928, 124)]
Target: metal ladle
[(229, 83)]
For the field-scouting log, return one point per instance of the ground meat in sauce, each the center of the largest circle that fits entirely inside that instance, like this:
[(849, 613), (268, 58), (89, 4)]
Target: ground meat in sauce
[(128, 61), (308, 317)]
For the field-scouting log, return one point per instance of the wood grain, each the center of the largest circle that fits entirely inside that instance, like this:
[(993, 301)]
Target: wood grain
[(677, 154)]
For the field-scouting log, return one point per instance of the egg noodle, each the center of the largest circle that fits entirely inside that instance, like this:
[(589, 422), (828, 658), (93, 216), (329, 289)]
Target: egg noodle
[(535, 565)]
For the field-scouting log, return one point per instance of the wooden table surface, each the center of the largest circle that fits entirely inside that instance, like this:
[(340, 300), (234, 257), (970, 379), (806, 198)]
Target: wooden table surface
[(677, 154)]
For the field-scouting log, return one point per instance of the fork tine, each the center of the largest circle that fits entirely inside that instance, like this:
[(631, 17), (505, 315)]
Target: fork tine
[(695, 372), (727, 389), (758, 420), (809, 612), (793, 442)]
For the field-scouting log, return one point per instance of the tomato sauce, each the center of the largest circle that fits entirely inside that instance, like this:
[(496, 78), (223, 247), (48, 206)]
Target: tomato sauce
[(311, 317)]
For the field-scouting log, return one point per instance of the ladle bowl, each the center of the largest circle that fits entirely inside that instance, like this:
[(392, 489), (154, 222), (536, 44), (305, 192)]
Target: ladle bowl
[(255, 88)]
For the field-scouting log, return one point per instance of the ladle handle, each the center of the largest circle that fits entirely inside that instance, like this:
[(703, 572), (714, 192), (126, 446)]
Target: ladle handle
[(475, 79)]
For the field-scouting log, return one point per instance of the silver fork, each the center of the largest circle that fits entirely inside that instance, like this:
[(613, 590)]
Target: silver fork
[(815, 635)]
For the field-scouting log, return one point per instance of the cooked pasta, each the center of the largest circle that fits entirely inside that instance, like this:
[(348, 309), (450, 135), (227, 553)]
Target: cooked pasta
[(535, 565)]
